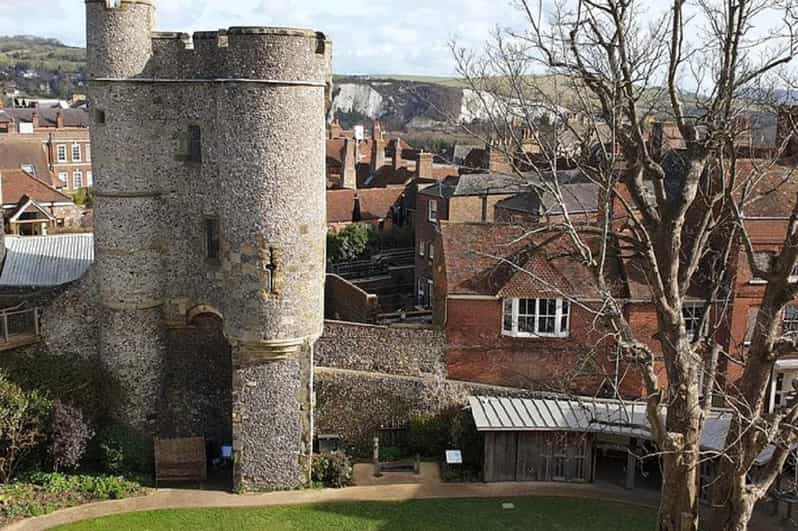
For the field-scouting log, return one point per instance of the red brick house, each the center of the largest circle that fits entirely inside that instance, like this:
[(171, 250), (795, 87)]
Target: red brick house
[(519, 311), (482, 300), (64, 136)]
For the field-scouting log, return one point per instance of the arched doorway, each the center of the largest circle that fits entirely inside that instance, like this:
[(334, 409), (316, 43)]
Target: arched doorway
[(196, 398)]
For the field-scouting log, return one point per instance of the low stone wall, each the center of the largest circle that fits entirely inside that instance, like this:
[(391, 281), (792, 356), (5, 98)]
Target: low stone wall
[(353, 404), (398, 350)]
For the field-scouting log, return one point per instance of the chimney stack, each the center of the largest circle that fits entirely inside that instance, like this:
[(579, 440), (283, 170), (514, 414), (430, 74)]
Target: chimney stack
[(349, 164), (59, 120), (397, 155), (35, 120), (377, 148), (424, 165)]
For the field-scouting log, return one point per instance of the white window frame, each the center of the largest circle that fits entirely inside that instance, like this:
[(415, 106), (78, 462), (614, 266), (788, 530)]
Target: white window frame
[(79, 158), (789, 320), (689, 315), (77, 177), (432, 211), (87, 150), (431, 251), (421, 247), (89, 179), (63, 176), (61, 153), (562, 318)]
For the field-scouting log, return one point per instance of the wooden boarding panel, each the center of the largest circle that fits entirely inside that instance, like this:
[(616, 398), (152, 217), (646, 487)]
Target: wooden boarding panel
[(180, 460), (500, 456)]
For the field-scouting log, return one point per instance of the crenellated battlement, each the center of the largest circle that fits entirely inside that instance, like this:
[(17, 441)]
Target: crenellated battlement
[(247, 53)]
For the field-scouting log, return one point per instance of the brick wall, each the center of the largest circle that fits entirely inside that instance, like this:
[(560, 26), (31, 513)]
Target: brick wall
[(345, 301), (582, 363), (467, 209)]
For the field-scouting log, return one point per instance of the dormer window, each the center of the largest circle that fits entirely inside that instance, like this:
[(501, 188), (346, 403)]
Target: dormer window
[(536, 317)]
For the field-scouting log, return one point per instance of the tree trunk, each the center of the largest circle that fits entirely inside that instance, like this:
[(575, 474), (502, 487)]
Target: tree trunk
[(678, 509), (735, 514)]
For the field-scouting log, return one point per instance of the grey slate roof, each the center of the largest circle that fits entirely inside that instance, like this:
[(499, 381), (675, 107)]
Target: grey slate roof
[(576, 197), (584, 414), (46, 261)]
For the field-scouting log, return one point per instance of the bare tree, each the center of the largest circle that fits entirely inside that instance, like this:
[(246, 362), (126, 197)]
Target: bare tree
[(609, 68)]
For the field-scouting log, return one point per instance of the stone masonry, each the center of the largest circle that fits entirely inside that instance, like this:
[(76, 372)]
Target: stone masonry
[(208, 154)]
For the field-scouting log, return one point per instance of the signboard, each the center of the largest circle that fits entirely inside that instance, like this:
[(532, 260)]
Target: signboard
[(454, 457)]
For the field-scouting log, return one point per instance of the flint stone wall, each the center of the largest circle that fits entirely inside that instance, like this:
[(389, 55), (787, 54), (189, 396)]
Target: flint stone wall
[(353, 404), (397, 350)]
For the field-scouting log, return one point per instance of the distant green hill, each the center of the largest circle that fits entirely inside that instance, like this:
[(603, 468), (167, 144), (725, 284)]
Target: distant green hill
[(40, 54)]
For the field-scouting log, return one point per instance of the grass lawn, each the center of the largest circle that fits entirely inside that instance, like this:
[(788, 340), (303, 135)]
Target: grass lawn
[(544, 514)]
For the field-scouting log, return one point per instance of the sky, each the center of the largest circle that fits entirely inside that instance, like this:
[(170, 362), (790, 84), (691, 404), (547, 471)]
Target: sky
[(369, 36)]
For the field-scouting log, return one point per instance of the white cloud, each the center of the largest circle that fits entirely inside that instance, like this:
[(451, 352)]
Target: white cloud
[(370, 36)]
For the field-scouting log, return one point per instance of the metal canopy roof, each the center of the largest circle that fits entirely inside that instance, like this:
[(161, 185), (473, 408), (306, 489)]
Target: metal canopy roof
[(46, 261), (585, 414)]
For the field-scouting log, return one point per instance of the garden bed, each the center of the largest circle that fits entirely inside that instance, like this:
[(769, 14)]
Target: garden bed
[(44, 493)]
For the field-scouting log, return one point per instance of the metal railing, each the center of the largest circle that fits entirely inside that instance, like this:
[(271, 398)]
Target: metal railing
[(17, 322)]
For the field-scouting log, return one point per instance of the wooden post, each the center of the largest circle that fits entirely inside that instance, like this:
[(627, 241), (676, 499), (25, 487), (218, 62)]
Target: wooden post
[(36, 320), (631, 463), (5, 327)]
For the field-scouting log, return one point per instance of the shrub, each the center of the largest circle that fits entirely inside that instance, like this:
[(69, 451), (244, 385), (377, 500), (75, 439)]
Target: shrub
[(429, 435), (69, 378), (331, 469), (23, 419), (70, 437), (350, 243), (390, 453), (124, 451), (94, 487)]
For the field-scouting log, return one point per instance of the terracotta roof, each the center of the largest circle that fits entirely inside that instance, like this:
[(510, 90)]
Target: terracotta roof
[(16, 153), (17, 184), (774, 194), (375, 203), (507, 260)]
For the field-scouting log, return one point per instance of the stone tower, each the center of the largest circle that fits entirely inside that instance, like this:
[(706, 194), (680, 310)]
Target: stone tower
[(209, 154)]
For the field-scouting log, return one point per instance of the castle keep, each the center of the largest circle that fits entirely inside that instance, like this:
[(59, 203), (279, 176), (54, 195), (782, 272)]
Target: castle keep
[(209, 172)]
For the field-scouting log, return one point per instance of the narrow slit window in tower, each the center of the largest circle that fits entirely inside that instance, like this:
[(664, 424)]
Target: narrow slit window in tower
[(212, 238), (194, 143)]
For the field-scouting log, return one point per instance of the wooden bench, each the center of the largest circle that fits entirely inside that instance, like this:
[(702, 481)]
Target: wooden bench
[(180, 460)]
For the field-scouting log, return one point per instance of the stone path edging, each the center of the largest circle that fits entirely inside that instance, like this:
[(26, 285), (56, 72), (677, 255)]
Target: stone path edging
[(186, 499)]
